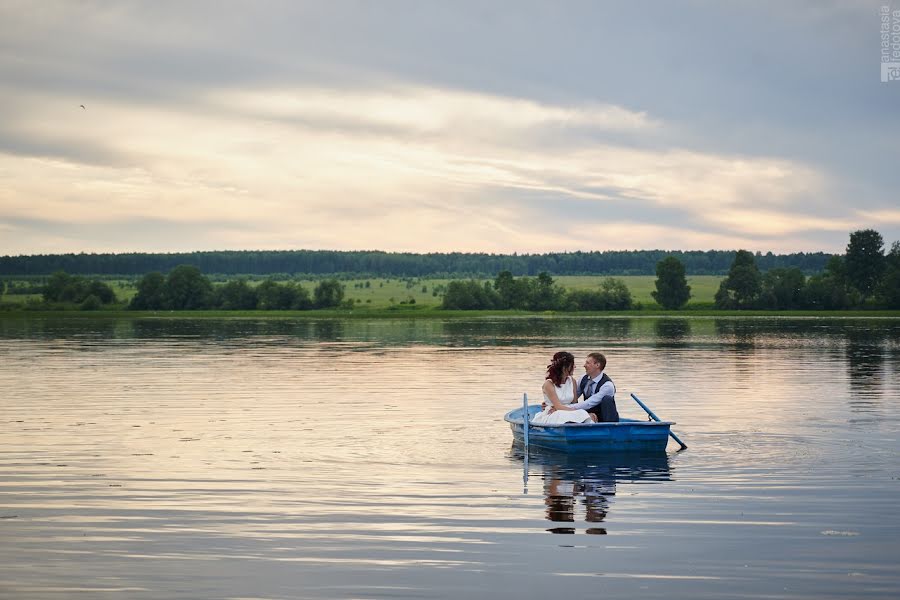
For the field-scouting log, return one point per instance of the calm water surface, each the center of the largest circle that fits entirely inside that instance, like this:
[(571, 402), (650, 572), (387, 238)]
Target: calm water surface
[(164, 458)]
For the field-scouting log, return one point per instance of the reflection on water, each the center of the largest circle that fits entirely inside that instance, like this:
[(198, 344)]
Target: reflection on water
[(740, 334), (582, 487), (865, 353), (523, 330), (672, 332), (326, 458)]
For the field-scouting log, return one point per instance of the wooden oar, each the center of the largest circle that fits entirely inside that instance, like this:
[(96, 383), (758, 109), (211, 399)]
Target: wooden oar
[(655, 418)]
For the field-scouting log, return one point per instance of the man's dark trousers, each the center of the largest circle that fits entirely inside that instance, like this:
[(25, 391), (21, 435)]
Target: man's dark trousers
[(606, 411)]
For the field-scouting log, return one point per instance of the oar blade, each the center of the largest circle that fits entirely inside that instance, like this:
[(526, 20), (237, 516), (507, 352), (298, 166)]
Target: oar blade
[(655, 418)]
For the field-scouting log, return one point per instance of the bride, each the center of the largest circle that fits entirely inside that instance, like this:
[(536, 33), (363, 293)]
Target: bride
[(560, 391)]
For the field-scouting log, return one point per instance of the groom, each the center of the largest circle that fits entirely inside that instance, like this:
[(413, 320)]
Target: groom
[(598, 390)]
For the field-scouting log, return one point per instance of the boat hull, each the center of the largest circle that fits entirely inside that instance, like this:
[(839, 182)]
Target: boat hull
[(580, 438)]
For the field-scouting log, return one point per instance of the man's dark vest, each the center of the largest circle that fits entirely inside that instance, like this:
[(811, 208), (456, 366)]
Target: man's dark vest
[(585, 381), (606, 411)]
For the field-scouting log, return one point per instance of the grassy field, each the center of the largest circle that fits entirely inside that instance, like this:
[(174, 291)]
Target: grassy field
[(703, 287), (383, 293)]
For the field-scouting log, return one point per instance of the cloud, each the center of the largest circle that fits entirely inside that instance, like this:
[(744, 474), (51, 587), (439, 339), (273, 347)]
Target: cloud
[(418, 109), (776, 224), (243, 159), (884, 217)]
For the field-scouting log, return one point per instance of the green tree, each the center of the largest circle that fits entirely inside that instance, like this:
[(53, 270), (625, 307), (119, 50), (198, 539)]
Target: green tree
[(275, 296), (302, 301), (236, 295), (783, 289), (92, 302), (743, 285), (672, 291), (888, 291), (585, 300), (828, 290), (328, 294), (612, 294), (150, 292), (616, 294), (511, 292), (469, 295), (865, 261), (545, 294), (62, 287), (56, 287), (102, 291), (187, 288)]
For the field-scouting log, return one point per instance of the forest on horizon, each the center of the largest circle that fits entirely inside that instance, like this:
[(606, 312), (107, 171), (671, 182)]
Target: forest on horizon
[(402, 264)]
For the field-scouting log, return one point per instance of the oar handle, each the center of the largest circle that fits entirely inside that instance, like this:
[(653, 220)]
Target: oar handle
[(647, 408), (655, 418)]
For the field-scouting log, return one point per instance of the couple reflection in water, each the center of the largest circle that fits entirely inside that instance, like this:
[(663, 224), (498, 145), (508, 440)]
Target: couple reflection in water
[(562, 495), (585, 488)]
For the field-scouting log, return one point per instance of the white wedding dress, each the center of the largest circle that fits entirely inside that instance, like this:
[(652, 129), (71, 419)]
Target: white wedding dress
[(566, 395)]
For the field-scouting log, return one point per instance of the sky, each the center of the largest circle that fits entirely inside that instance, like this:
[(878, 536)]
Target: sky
[(430, 126)]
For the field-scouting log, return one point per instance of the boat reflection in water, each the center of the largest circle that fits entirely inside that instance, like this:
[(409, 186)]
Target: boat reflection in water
[(581, 487)]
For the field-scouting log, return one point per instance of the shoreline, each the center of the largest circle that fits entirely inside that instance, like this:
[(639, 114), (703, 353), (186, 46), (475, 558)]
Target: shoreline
[(441, 314)]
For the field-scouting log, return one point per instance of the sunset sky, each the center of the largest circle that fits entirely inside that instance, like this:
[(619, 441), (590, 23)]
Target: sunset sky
[(444, 126)]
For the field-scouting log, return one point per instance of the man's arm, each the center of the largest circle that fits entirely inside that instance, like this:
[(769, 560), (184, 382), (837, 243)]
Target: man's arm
[(607, 389)]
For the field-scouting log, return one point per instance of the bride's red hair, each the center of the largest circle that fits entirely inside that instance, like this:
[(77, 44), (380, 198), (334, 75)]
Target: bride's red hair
[(561, 365)]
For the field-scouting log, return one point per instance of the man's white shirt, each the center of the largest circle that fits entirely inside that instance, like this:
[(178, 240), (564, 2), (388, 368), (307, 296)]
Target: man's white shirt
[(607, 389)]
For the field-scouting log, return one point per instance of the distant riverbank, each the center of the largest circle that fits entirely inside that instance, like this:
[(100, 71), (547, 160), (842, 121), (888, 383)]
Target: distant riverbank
[(434, 313)]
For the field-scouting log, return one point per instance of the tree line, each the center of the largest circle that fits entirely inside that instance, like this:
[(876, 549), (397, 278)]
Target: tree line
[(863, 277), (399, 264), (89, 294), (540, 293), (186, 288)]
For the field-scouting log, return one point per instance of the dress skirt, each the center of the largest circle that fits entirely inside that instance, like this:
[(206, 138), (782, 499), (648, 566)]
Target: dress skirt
[(561, 416)]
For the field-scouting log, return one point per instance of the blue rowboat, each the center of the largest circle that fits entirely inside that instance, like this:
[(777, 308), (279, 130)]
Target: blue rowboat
[(626, 435)]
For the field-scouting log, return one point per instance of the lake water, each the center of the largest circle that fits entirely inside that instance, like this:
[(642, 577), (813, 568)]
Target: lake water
[(179, 458)]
